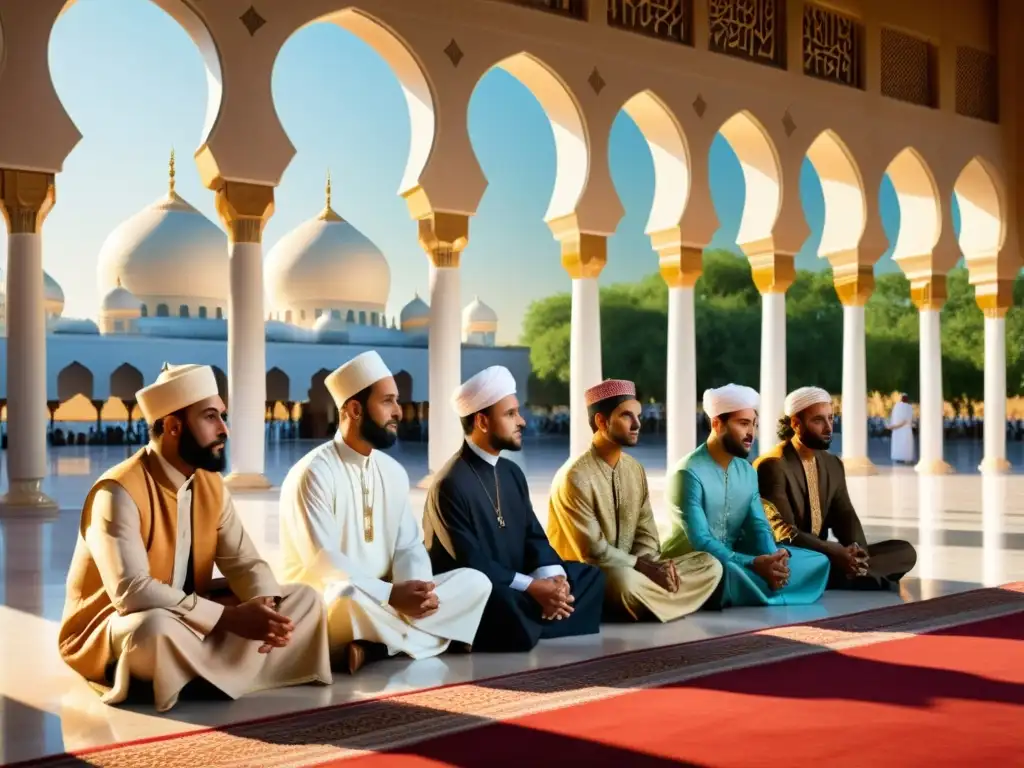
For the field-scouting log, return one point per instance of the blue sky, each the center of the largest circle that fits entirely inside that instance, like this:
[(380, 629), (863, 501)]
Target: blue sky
[(135, 85)]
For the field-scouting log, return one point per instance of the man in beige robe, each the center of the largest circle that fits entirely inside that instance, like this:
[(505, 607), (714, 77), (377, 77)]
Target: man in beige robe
[(348, 531), (599, 512), (138, 591)]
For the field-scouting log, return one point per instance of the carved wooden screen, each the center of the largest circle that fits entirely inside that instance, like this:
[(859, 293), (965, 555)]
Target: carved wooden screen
[(754, 30), (575, 8), (977, 89), (833, 47), (664, 19), (908, 68)]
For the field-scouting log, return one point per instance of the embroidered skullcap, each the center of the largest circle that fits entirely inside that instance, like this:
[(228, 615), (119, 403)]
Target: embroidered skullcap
[(483, 390), (805, 397), (177, 387), (730, 398), (609, 388), (356, 375)]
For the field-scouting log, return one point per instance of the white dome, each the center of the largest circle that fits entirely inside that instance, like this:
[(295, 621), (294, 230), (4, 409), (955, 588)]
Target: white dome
[(53, 295), (120, 300), (417, 309), (167, 250), (478, 312), (326, 263)]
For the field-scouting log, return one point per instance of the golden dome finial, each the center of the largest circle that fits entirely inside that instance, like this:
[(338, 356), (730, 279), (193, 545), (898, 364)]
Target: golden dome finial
[(328, 214), (118, 281), (170, 188)]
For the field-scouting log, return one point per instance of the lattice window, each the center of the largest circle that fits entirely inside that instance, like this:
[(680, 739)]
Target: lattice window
[(908, 68), (833, 47), (977, 87), (754, 30), (664, 19), (574, 8)]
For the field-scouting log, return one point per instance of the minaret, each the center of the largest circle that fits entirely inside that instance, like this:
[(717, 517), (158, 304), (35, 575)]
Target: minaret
[(328, 214)]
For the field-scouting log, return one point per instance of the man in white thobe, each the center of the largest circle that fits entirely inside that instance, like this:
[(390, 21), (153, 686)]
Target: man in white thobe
[(901, 422), (348, 530)]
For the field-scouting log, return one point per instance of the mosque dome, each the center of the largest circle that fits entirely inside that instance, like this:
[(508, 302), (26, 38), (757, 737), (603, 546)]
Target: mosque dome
[(415, 316), (75, 326), (167, 253), (120, 300), (326, 266), (53, 296), (478, 312)]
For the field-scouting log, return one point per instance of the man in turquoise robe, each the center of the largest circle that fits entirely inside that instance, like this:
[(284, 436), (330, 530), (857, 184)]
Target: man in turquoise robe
[(714, 494)]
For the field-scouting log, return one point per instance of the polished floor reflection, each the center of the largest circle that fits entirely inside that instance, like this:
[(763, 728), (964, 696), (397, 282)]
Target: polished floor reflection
[(969, 531)]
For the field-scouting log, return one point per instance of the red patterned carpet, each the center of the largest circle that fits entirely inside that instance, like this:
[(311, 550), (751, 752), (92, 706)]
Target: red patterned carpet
[(933, 683)]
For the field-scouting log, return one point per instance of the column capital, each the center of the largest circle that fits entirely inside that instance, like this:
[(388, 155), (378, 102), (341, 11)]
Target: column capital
[(928, 292), (244, 208), (771, 271), (26, 198), (852, 276), (680, 264), (443, 236), (584, 254), (994, 297)]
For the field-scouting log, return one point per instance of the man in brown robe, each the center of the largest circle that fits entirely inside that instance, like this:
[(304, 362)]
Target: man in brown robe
[(806, 486), (599, 512), (138, 591)]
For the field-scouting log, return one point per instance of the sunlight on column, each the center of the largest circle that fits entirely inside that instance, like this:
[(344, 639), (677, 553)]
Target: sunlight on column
[(993, 510), (929, 511)]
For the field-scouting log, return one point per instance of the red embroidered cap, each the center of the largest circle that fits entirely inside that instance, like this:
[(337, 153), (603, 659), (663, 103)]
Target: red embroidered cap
[(609, 388)]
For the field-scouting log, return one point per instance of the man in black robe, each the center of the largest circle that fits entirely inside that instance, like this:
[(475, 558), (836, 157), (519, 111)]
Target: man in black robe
[(806, 488), (479, 515)]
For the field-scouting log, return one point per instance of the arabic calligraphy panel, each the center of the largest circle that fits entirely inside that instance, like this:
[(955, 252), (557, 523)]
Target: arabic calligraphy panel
[(754, 30), (664, 19), (833, 46)]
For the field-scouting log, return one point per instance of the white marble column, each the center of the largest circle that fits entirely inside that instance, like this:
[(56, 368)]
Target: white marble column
[(245, 208), (584, 359), (445, 360), (931, 405), (681, 389), (994, 461), (773, 367), (26, 199), (855, 393)]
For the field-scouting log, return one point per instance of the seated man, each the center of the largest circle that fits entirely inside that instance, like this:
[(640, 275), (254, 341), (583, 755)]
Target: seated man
[(479, 515), (347, 530), (599, 512), (714, 493), (152, 529), (806, 486)]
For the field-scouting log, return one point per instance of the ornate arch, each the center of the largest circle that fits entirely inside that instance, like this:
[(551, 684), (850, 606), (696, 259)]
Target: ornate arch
[(762, 176), (842, 187)]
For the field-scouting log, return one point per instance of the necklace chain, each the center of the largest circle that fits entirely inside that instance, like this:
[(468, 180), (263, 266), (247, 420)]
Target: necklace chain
[(497, 491)]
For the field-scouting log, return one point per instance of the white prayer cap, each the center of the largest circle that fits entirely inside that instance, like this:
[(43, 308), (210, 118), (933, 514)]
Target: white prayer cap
[(356, 375), (483, 390), (805, 397), (730, 398), (177, 387)]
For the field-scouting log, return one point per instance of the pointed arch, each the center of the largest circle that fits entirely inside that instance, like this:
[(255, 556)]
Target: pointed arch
[(403, 380), (572, 147), (920, 211), (222, 384), (125, 381), (278, 386), (74, 379), (980, 197), (671, 155), (842, 187), (762, 176)]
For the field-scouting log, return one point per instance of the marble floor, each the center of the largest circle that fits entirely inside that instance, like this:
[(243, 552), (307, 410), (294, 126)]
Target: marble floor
[(969, 531)]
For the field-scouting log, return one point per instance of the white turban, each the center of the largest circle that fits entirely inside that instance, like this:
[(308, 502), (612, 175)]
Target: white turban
[(483, 390), (177, 387), (805, 397), (730, 398), (357, 374)]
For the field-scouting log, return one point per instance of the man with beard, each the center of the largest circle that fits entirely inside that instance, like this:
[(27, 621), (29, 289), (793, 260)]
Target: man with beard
[(599, 512), (348, 531), (806, 486), (714, 495), (138, 589), (479, 515)]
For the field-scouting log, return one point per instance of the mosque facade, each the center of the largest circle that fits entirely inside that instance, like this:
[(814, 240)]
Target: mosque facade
[(164, 280)]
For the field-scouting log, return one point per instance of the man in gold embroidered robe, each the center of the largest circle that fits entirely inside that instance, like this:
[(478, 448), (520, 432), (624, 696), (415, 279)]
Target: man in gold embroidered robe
[(804, 487), (599, 512), (139, 589)]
